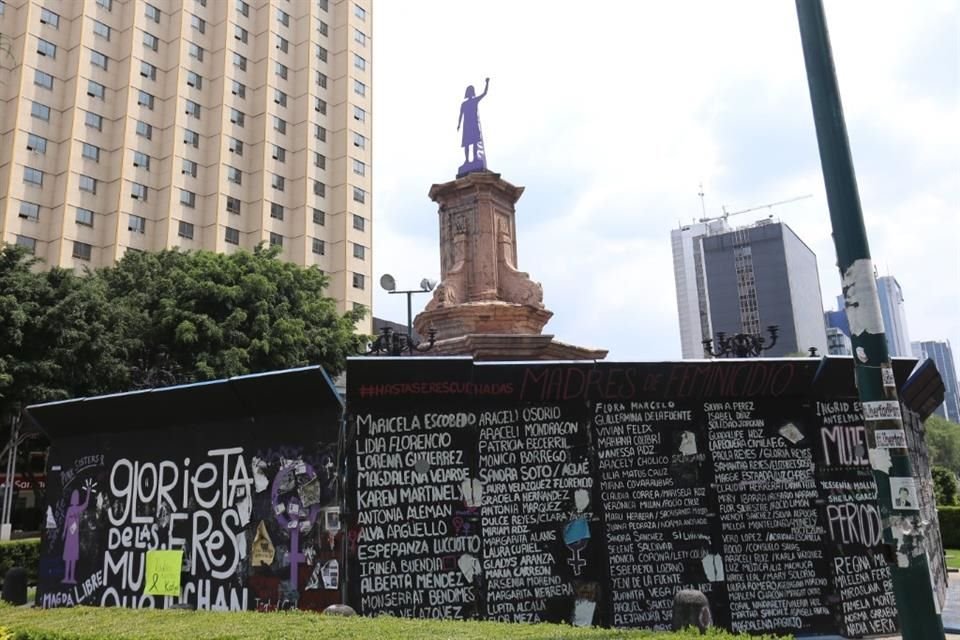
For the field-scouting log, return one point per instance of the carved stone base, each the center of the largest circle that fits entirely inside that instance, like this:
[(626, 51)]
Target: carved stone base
[(503, 347), (491, 317)]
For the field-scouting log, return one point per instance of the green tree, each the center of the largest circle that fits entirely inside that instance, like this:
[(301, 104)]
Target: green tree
[(945, 488), (943, 442), (193, 316)]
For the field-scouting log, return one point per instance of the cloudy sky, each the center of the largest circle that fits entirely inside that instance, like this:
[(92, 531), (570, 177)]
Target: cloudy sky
[(611, 114)]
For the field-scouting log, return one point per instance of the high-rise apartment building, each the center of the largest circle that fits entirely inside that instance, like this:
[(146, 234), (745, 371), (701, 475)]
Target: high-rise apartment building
[(942, 355), (744, 280), (894, 317), (199, 124)]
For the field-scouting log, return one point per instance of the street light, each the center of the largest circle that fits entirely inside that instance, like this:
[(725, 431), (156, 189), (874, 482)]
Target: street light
[(740, 345), (392, 343)]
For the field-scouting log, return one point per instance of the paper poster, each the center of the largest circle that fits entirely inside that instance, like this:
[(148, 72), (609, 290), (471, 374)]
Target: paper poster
[(891, 439), (163, 572), (904, 494), (882, 410), (263, 550)]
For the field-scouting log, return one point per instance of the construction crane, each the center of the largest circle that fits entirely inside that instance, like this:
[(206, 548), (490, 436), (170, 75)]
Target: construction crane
[(770, 205)]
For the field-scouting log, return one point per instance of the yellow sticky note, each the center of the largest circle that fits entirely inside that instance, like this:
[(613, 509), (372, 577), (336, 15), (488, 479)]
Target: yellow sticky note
[(163, 572)]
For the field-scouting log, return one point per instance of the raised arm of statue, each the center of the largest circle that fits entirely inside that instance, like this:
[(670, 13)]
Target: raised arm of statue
[(486, 86)]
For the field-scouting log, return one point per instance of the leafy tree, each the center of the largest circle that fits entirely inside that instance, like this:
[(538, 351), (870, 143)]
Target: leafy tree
[(943, 442), (945, 488), (193, 316)]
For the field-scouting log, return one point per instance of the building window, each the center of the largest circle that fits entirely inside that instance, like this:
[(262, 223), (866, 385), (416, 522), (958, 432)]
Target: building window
[(359, 114), (239, 89), (84, 217), (105, 4), (281, 70), (359, 88), (237, 117), (231, 236), (137, 224), (233, 205), (235, 146), (142, 160), (276, 210), (138, 191), (96, 90), (152, 13), (93, 120), (101, 30), (279, 97), (359, 62), (33, 176), (359, 168), (40, 111), (283, 44), (319, 160), (90, 152), (243, 8), (320, 133), (194, 80), (97, 59), (359, 251), (185, 230), (188, 198), (323, 28), (359, 223), (359, 195), (151, 41), (359, 37), (283, 17), (49, 18), (279, 124), (193, 109), (318, 246), (191, 138), (36, 143), (319, 217), (88, 184), (198, 23), (28, 243), (359, 141), (42, 79), (45, 48), (189, 168), (144, 130), (321, 53), (321, 80), (195, 51), (234, 175), (358, 281), (278, 182), (148, 71), (322, 5), (239, 33), (239, 61), (82, 250), (145, 99), (276, 240), (359, 12), (319, 189), (279, 154), (30, 211)]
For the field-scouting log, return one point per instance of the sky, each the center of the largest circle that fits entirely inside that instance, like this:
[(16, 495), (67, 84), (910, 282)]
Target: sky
[(612, 114)]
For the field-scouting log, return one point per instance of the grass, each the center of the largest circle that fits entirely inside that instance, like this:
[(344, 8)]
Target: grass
[(953, 558), (92, 623)]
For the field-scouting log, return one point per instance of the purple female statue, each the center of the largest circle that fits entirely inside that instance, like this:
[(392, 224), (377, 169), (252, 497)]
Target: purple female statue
[(71, 532), (472, 136)]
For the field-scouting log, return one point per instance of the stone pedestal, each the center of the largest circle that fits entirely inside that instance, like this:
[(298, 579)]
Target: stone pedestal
[(484, 306)]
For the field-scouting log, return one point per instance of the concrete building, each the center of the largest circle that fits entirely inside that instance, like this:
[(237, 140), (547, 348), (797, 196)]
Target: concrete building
[(942, 355), (199, 124), (752, 277), (838, 343), (894, 316), (693, 306)]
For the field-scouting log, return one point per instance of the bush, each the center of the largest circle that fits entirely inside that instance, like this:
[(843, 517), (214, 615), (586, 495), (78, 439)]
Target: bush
[(945, 487), (92, 623), (20, 553), (949, 526)]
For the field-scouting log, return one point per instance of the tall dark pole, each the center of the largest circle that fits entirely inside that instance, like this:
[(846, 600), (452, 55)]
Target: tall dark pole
[(874, 376)]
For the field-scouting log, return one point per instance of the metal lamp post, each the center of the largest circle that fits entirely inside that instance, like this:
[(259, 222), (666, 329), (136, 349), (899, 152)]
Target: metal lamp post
[(740, 345), (392, 343)]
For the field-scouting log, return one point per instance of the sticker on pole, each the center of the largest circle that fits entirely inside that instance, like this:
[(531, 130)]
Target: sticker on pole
[(903, 491), (886, 374), (882, 410), (891, 439), (860, 298)]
